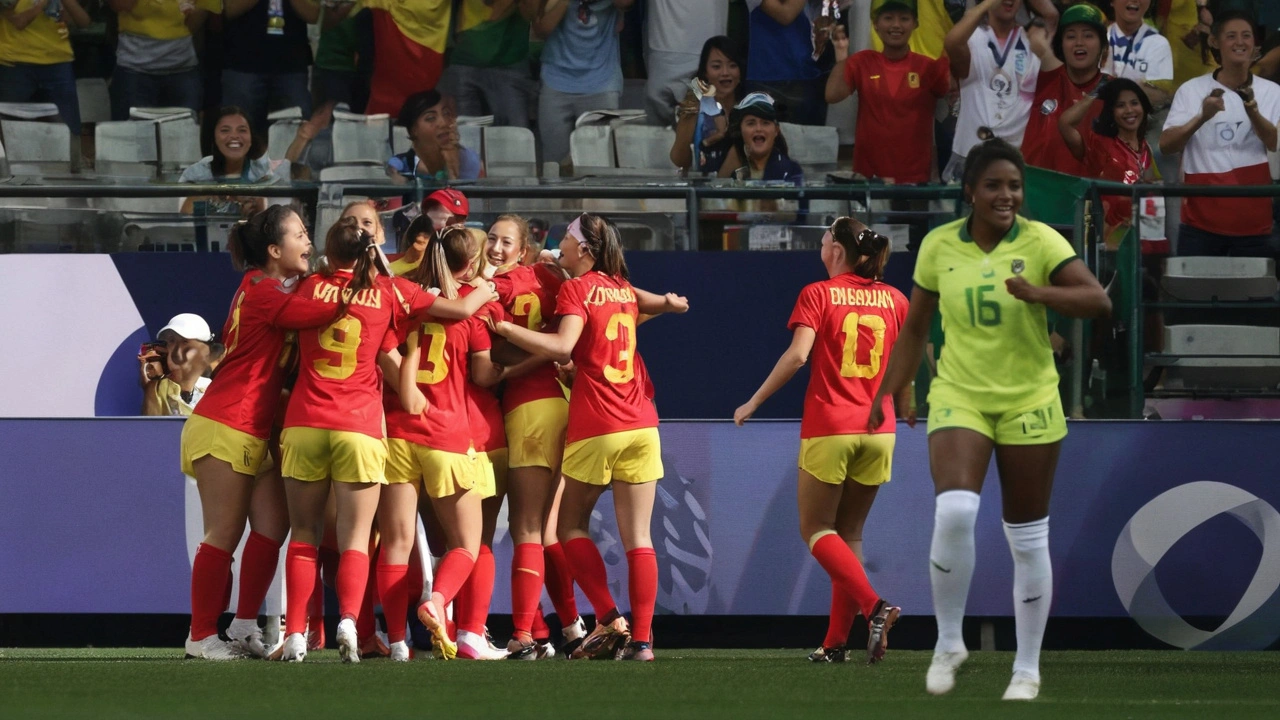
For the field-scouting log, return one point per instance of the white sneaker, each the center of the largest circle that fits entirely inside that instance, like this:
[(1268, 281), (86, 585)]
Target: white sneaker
[(348, 641), (1023, 686), (575, 630), (941, 677), (212, 648), (400, 651), (248, 636), (546, 650), (295, 648)]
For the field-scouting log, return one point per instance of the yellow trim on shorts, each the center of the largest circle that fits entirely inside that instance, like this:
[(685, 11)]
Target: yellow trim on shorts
[(630, 456), (863, 458), (202, 436), (535, 433), (316, 454)]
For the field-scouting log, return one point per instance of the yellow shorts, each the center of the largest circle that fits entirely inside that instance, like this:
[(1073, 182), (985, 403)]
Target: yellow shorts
[(632, 456), (864, 459), (201, 436), (496, 460), (314, 454), (1040, 424), (535, 433), (442, 473)]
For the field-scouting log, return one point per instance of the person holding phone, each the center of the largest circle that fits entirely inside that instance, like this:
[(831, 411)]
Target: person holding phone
[(176, 368)]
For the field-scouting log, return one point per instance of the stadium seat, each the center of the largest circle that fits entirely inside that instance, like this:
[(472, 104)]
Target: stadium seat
[(815, 147), (591, 150), (510, 152), (400, 142), (645, 148), (95, 101), (179, 141), (471, 137), (1203, 279), (36, 148), (1222, 370), (125, 149), (366, 140), (280, 136)]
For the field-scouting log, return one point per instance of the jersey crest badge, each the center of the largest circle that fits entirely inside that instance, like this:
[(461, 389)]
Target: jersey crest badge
[(1017, 266)]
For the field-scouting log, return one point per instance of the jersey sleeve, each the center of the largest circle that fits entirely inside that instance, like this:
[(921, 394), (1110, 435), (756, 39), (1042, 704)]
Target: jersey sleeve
[(551, 280), (1055, 251), (411, 299), (1269, 102), (505, 289), (1159, 60), (926, 274), (808, 309), (570, 300), (900, 307), (1186, 104), (851, 72), (939, 76), (297, 310), (478, 338)]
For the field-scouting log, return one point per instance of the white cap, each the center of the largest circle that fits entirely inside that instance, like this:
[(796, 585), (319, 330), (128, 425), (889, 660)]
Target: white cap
[(188, 326)]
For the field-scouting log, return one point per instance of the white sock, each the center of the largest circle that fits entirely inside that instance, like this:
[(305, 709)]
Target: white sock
[(1032, 589), (951, 559)]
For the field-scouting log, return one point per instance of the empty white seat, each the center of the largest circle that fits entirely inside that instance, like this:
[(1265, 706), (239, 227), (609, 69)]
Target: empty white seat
[(179, 144), (400, 142), (645, 147), (591, 148), (367, 141), (125, 149), (36, 148), (280, 135), (95, 101), (471, 137), (815, 147), (345, 173), (1220, 343), (1219, 278), (510, 152)]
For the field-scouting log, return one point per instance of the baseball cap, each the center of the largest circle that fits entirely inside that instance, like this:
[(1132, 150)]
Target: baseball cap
[(1084, 13), (879, 6), (188, 326), (759, 104), (452, 200)]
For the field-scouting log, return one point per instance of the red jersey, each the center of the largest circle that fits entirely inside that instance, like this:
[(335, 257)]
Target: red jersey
[(245, 391), (442, 377), (1111, 158), (612, 392), (528, 294), (896, 100), (339, 384), (857, 322), (1043, 145), (484, 410)]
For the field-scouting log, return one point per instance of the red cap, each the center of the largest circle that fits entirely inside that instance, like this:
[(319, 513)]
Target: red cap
[(452, 200)]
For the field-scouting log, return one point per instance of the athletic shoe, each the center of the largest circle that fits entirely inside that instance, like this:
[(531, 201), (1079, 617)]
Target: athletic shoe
[(517, 650), (604, 641), (882, 619), (348, 641), (941, 677), (574, 633), (375, 646), (1023, 686), (830, 655), (546, 650), (474, 646), (315, 633), (294, 648), (444, 648), (213, 648), (248, 637), (638, 651), (400, 652)]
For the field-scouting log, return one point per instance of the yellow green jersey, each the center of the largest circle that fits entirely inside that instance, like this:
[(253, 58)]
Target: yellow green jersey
[(997, 354)]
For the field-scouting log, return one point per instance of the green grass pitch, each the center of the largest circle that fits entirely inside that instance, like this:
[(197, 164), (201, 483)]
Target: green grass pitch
[(144, 683)]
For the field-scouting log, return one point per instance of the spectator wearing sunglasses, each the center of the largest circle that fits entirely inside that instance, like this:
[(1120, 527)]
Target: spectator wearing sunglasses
[(759, 151)]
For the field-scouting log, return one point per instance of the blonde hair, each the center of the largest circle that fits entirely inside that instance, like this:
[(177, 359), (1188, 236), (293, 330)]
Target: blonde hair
[(449, 250), (480, 263), (379, 234)]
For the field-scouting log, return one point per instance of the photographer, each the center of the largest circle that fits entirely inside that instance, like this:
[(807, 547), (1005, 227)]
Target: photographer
[(175, 370)]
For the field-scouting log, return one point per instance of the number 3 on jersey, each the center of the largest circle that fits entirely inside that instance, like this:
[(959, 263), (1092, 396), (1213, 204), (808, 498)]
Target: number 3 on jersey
[(849, 366), (626, 357), (343, 339)]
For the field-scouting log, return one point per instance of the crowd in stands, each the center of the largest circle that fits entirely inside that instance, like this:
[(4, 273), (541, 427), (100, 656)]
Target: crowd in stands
[(1186, 85)]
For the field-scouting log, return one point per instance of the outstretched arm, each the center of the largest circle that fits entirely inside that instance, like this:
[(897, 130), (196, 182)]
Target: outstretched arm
[(793, 358), (557, 346)]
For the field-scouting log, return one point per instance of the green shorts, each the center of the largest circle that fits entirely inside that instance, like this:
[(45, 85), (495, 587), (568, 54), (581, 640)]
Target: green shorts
[(1039, 424)]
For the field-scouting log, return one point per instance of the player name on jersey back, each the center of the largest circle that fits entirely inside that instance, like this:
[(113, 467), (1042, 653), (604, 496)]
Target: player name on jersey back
[(369, 297), (599, 295), (860, 297)]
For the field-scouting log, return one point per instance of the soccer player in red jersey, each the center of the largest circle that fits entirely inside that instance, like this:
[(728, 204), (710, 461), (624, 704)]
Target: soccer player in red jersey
[(847, 325), (225, 441), (612, 431), (333, 429)]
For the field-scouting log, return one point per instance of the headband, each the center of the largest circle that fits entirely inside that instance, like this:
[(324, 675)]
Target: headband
[(575, 229)]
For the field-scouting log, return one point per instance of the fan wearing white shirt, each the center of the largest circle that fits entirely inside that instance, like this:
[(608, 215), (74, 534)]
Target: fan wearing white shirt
[(1139, 52)]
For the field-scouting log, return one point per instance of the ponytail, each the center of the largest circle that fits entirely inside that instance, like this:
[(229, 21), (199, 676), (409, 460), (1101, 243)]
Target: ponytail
[(867, 250), (449, 250), (248, 240), (348, 245), (603, 241)]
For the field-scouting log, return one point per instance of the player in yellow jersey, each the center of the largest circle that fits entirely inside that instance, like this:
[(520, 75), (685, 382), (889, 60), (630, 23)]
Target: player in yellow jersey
[(992, 275)]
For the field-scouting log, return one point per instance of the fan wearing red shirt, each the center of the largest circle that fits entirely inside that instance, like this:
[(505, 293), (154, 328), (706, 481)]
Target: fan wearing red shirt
[(1069, 70), (333, 428), (897, 93), (224, 442), (847, 325), (612, 432)]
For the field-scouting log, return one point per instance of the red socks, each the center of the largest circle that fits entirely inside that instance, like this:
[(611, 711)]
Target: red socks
[(527, 566), (257, 567), (454, 570), (301, 571), (540, 630), (642, 585), (353, 578), (210, 574), (559, 581), (843, 611), (415, 581), (590, 574), (847, 575), (471, 609), (393, 588)]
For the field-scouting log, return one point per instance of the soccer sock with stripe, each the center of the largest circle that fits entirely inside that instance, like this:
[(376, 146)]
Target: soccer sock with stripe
[(353, 577), (454, 569), (210, 575), (590, 574), (951, 561), (843, 610), (257, 568), (471, 610), (847, 574), (301, 575), (393, 588), (559, 581), (642, 587), (527, 566), (1032, 589)]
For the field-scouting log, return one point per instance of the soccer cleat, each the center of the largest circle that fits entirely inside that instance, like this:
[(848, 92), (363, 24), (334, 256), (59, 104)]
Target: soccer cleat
[(429, 616), (517, 650), (213, 648), (637, 651), (474, 646), (941, 677), (400, 652), (604, 641), (830, 655), (294, 648), (348, 641), (574, 633), (248, 637), (1023, 686), (882, 619), (546, 650)]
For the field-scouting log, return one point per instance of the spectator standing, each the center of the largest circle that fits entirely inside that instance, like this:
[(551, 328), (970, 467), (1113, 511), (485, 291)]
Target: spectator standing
[(1139, 52), (344, 57), (934, 18), (437, 153), (897, 92), (267, 56), (702, 121), (409, 39), (1185, 24), (488, 61), (156, 63), (1069, 69), (581, 66), (35, 54), (1224, 123), (788, 58), (674, 30)]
